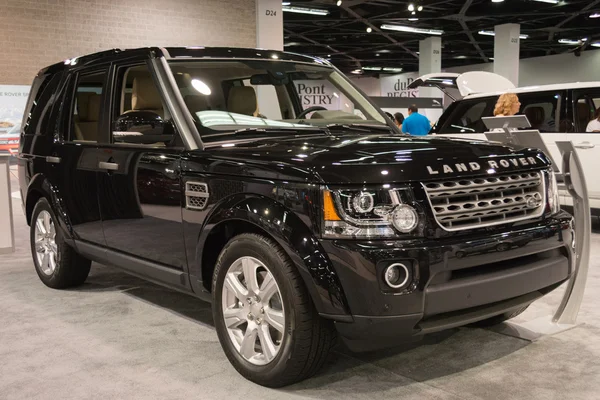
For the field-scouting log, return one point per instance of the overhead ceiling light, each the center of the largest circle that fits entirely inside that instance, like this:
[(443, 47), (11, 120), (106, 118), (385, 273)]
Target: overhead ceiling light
[(369, 30), (460, 57), (497, 1), (413, 13), (357, 71), (572, 42), (303, 10), (372, 68), (288, 44), (286, 3), (411, 7), (392, 69), (597, 44), (595, 15), (492, 33), (548, 1), (413, 19), (339, 3), (401, 28), (420, 8)]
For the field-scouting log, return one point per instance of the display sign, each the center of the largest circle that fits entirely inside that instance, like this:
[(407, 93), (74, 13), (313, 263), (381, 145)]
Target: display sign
[(13, 99), (397, 85), (322, 93)]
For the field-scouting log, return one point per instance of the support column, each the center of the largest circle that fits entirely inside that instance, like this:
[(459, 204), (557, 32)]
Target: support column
[(7, 241), (269, 35), (430, 62), (506, 51)]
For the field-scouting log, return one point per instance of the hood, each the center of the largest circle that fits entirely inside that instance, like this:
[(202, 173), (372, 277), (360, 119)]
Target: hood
[(359, 159)]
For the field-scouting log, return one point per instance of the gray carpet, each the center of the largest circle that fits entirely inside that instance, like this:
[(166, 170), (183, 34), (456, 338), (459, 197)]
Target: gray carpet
[(120, 337)]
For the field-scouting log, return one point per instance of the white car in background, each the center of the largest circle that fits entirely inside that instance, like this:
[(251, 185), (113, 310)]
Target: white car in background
[(560, 112)]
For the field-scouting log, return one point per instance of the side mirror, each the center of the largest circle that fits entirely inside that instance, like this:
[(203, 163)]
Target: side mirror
[(142, 127)]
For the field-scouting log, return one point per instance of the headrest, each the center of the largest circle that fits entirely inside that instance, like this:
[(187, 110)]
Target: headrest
[(242, 100), (83, 99), (93, 108), (583, 111), (144, 95), (535, 115), (195, 102)]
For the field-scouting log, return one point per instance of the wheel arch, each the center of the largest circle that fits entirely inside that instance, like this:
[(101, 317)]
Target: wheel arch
[(39, 187), (269, 218)]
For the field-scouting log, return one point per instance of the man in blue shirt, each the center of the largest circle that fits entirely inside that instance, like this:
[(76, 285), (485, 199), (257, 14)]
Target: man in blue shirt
[(416, 124)]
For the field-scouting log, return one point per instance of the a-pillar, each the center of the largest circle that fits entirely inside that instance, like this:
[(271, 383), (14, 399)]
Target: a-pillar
[(430, 62), (506, 51), (269, 35)]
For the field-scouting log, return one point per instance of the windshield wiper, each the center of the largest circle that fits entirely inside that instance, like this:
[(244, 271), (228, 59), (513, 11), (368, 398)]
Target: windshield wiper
[(359, 127), (268, 131)]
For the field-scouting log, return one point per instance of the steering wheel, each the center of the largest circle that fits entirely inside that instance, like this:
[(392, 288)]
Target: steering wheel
[(309, 110)]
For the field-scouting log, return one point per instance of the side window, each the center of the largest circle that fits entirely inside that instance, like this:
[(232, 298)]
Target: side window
[(85, 114), (139, 116), (467, 115), (542, 110), (586, 112)]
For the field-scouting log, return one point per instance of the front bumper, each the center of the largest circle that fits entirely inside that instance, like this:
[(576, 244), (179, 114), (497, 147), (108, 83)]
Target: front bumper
[(456, 280)]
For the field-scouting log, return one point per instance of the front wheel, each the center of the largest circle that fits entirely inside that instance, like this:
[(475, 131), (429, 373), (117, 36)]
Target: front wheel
[(265, 319)]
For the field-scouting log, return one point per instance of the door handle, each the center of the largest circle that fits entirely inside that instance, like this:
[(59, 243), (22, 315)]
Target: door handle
[(585, 145), (109, 166), (53, 160)]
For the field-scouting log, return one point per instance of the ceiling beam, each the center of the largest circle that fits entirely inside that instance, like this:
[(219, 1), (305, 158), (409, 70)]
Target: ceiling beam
[(574, 15), (467, 31), (333, 51), (377, 30)]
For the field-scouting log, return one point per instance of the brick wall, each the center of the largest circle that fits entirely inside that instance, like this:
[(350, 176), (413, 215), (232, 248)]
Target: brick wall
[(36, 33)]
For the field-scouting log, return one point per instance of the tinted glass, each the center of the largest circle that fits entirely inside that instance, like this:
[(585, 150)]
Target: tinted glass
[(230, 95), (586, 105), (85, 114)]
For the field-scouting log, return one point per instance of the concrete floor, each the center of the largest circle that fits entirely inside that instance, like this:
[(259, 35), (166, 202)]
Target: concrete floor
[(120, 337)]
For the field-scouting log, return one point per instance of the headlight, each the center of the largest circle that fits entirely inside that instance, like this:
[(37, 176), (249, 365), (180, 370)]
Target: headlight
[(369, 213), (553, 196)]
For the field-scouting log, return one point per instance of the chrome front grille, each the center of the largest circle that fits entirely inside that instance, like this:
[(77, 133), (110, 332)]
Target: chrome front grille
[(479, 202)]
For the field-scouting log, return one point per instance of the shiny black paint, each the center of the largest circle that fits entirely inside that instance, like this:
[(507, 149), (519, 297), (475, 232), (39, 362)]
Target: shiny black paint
[(136, 216), (140, 203)]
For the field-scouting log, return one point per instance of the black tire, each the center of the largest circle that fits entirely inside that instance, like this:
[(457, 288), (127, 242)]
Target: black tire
[(71, 268), (498, 319), (307, 338)]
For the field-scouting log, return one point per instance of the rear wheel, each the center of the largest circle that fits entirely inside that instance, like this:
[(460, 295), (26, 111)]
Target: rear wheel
[(56, 263), (265, 319)]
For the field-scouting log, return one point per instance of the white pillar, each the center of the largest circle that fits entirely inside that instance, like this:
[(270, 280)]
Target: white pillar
[(269, 35), (430, 62), (506, 51), (7, 242)]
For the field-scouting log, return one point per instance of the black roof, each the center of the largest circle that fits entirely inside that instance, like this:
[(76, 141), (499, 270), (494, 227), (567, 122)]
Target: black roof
[(174, 53)]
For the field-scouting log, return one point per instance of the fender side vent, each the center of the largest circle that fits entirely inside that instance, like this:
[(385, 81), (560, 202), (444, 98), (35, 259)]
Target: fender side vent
[(196, 195)]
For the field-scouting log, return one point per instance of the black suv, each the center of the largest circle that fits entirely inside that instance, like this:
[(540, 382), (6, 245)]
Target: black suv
[(201, 169)]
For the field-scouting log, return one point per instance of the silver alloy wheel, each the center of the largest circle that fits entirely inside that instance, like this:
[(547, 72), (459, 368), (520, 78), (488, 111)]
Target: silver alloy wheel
[(253, 310), (45, 242)]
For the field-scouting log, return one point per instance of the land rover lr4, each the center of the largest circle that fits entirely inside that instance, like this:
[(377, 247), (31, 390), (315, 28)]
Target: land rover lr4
[(268, 184)]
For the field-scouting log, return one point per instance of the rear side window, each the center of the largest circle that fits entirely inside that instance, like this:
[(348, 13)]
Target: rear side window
[(85, 113), (465, 116), (541, 109), (586, 104), (39, 103)]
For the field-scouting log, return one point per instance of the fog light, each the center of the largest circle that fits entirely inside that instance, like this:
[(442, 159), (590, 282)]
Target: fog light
[(396, 275), (405, 218)]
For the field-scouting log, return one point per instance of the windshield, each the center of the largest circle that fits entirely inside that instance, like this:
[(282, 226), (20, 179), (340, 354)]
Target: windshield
[(240, 94)]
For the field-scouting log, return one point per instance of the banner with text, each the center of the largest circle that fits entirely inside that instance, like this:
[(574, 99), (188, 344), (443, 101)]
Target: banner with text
[(322, 93), (397, 85), (13, 99)]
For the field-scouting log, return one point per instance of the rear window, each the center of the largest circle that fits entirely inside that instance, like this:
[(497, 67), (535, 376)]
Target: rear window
[(40, 99), (464, 116)]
